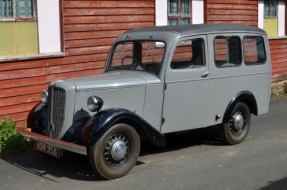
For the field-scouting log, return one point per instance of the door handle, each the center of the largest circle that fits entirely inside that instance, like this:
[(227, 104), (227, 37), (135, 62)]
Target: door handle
[(205, 74)]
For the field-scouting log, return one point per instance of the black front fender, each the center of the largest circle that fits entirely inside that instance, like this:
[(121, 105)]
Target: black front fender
[(37, 118), (104, 120)]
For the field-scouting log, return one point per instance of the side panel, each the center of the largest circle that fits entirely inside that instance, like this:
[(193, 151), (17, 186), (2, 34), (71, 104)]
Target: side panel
[(153, 104), (227, 82)]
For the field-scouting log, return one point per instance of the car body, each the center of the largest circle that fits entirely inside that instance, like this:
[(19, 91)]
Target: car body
[(157, 80)]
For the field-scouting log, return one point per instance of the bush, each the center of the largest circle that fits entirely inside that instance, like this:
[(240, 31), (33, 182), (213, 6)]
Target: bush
[(285, 87), (11, 142)]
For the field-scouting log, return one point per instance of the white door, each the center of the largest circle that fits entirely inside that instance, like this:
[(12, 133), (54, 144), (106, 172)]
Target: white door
[(187, 81)]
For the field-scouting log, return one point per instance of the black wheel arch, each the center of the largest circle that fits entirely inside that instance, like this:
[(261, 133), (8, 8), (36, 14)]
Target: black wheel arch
[(105, 119), (37, 118), (245, 97)]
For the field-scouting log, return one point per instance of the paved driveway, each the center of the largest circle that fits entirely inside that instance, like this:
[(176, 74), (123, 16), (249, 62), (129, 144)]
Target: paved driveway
[(196, 160)]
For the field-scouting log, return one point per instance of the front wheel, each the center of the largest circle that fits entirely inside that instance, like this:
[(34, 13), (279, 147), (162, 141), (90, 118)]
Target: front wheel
[(236, 128), (116, 152)]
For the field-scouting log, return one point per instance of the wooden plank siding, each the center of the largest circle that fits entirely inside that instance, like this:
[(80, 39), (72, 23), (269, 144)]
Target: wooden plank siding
[(246, 12), (89, 29), (278, 48), (239, 12)]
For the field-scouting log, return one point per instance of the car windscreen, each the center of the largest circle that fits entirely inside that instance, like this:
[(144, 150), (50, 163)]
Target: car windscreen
[(144, 56)]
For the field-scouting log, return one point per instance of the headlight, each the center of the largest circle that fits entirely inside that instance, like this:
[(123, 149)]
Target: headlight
[(95, 103), (44, 96)]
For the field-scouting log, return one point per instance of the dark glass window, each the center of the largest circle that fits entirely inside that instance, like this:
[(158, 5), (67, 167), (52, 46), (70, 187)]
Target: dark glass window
[(270, 8), (227, 51), (188, 54), (254, 50), (16, 8)]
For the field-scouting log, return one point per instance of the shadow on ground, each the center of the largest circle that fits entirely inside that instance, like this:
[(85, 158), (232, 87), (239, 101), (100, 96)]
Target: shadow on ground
[(74, 166), (276, 185), (176, 141)]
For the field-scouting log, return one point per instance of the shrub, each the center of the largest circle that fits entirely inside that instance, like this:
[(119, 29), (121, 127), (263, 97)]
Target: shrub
[(11, 142), (285, 87)]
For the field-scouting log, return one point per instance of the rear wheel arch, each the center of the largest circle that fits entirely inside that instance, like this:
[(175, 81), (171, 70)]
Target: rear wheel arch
[(245, 97)]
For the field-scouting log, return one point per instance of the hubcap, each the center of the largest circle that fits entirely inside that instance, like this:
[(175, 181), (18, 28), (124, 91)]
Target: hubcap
[(238, 122), (118, 150)]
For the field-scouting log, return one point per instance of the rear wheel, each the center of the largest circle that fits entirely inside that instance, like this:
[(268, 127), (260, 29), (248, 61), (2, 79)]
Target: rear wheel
[(236, 128), (116, 152)]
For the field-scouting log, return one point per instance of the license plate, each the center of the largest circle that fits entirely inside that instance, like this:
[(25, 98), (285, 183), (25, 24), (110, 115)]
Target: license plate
[(48, 149)]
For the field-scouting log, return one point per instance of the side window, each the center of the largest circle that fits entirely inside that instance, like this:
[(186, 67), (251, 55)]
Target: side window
[(227, 51), (188, 54), (254, 50)]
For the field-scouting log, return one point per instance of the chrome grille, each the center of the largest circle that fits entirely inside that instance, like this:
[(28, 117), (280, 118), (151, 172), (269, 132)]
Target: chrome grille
[(57, 106)]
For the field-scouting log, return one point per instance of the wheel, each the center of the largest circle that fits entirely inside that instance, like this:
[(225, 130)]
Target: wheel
[(116, 152), (235, 130)]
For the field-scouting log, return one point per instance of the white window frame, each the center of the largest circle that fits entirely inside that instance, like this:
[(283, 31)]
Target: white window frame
[(281, 16), (49, 29), (161, 18), (49, 32)]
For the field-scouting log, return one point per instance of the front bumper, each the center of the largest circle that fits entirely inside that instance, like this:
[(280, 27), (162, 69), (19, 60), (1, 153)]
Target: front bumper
[(80, 149)]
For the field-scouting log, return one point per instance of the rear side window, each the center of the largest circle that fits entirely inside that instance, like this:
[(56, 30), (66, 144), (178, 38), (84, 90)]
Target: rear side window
[(254, 50), (227, 51)]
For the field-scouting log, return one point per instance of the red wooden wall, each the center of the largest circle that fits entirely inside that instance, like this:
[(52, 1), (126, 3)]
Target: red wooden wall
[(239, 11), (90, 27), (246, 12), (278, 49)]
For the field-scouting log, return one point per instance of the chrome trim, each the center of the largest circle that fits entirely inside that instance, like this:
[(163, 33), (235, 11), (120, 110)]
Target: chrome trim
[(119, 150), (238, 122)]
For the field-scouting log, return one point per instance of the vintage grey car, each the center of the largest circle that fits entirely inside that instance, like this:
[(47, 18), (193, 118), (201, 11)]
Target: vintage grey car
[(157, 80)]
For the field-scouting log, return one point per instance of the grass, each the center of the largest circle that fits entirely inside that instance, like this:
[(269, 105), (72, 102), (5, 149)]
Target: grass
[(11, 142)]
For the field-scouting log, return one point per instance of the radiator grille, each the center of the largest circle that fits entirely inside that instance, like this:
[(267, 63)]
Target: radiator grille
[(58, 110)]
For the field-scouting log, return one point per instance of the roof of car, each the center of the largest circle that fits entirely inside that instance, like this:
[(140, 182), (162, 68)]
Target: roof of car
[(200, 29)]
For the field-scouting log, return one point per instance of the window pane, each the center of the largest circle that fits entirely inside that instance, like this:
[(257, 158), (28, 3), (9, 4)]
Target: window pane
[(254, 50), (185, 7), (172, 22), (1, 8), (6, 8), (227, 51), (123, 54), (24, 8), (270, 8), (234, 46), (185, 21), (188, 54), (179, 12), (138, 56), (173, 7)]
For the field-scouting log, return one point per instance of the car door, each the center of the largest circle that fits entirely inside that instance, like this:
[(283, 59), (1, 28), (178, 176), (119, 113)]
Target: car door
[(187, 81)]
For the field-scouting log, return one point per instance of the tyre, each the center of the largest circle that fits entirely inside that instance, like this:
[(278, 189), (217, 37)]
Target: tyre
[(237, 126), (116, 152)]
